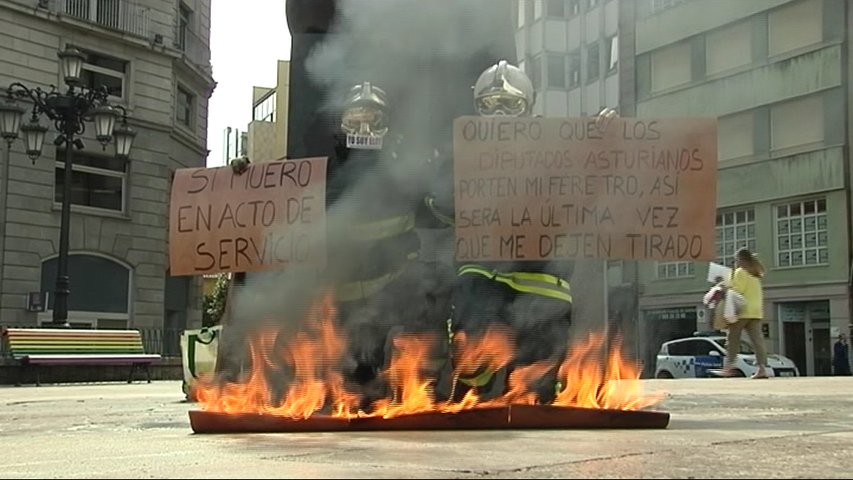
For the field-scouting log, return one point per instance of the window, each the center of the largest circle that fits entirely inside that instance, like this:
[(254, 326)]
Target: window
[(669, 270), (728, 48), (734, 230), (592, 62), (612, 54), (101, 70), (699, 347), (557, 71), (96, 181), (574, 69), (802, 234), (690, 348), (184, 107), (735, 136), (787, 128), (796, 25), (574, 7), (101, 288), (670, 66), (556, 8), (264, 110), (537, 9), (535, 72), (184, 18)]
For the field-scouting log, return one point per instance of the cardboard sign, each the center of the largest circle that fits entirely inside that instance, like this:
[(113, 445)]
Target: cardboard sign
[(271, 216), (559, 188)]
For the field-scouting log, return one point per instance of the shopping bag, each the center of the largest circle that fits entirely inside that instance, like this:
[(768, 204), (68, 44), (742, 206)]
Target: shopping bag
[(198, 351)]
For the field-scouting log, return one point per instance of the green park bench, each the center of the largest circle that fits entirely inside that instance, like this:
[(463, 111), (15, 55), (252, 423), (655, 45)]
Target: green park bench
[(34, 347)]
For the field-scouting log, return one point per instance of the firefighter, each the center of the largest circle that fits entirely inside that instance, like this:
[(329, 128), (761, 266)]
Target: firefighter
[(372, 245), (530, 301)]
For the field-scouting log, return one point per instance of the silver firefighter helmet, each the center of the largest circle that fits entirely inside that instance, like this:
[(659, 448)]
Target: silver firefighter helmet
[(365, 111), (504, 89)]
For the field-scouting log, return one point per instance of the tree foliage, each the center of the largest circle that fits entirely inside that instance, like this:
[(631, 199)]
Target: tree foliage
[(214, 303)]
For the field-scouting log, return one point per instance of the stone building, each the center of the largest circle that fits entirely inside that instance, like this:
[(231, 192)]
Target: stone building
[(154, 57)]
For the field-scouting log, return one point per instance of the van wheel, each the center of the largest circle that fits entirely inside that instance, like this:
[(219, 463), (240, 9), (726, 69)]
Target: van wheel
[(738, 373), (664, 374)]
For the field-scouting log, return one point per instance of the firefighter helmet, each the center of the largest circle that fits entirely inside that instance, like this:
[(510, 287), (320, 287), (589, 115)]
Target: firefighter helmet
[(504, 89), (365, 111)]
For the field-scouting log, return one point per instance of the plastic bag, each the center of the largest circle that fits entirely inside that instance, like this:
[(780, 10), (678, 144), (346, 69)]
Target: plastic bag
[(199, 349)]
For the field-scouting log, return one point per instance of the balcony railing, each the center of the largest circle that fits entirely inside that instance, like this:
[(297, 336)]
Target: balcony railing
[(121, 15)]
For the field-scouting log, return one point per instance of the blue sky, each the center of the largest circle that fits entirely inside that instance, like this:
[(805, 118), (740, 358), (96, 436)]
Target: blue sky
[(247, 37)]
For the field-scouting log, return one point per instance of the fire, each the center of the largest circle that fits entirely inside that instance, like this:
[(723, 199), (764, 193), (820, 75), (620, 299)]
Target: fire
[(312, 357), (412, 392), (587, 384), (302, 378), (492, 351)]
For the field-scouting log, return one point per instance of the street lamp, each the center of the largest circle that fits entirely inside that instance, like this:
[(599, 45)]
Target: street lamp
[(69, 112)]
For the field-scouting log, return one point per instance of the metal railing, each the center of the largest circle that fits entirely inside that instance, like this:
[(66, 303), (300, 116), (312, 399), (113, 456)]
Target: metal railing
[(164, 341), (122, 15)]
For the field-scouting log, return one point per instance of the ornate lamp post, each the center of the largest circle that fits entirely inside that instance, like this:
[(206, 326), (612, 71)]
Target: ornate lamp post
[(69, 112)]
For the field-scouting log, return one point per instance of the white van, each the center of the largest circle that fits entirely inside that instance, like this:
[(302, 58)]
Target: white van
[(702, 356)]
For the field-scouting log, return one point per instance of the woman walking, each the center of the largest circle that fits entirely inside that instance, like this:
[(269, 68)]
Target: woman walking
[(746, 281)]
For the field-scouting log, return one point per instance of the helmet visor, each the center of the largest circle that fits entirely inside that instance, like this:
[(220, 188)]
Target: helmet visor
[(501, 104), (359, 119)]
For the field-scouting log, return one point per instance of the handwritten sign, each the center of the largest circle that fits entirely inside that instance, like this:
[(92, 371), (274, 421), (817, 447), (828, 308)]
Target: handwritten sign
[(271, 216), (559, 188)]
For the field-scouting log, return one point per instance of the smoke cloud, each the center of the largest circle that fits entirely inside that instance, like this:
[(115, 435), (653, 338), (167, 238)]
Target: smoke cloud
[(426, 55)]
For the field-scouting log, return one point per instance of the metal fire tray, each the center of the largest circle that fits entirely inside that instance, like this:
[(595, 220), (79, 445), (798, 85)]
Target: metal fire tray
[(508, 417)]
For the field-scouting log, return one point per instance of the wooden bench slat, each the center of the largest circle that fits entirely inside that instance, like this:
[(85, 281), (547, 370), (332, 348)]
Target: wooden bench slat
[(130, 346), (32, 338), (73, 339), (71, 333), (76, 339), (72, 342), (94, 351), (91, 358), (97, 355)]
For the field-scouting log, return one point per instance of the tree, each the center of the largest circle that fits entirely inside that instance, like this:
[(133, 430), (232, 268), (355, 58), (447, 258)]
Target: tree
[(214, 303)]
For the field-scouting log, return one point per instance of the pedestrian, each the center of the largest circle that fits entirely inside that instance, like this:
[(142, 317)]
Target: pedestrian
[(841, 356), (746, 281)]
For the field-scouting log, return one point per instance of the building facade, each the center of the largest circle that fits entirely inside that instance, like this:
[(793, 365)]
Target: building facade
[(571, 51), (267, 133), (154, 57), (776, 75)]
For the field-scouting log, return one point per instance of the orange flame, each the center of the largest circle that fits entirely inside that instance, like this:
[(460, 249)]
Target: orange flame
[(492, 350), (587, 384), (412, 391), (307, 366), (313, 370)]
